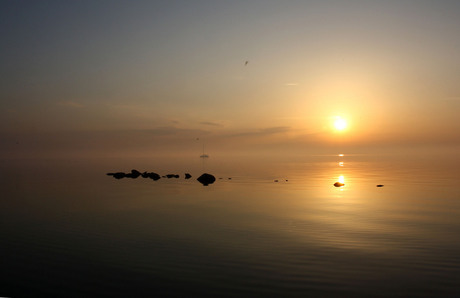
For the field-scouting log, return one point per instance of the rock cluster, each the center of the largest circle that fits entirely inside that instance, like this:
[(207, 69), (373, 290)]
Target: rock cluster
[(134, 174), (204, 179)]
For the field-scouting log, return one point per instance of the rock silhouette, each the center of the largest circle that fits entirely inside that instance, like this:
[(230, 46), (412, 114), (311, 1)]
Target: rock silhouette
[(117, 175), (172, 176), (379, 185), (206, 179), (153, 176), (134, 174), (339, 184)]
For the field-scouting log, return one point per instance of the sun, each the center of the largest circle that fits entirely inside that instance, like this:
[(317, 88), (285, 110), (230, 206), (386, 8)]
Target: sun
[(340, 124)]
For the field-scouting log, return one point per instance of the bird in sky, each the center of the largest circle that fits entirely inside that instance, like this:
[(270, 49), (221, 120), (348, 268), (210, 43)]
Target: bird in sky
[(246, 63)]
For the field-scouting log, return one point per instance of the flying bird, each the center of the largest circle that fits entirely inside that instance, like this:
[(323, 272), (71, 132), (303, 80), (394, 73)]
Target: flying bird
[(246, 63)]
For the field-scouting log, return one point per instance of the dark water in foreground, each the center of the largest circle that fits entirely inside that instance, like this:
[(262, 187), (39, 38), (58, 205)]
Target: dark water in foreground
[(68, 230)]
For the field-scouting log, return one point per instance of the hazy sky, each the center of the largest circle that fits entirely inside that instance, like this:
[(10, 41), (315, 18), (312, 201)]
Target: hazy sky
[(89, 74)]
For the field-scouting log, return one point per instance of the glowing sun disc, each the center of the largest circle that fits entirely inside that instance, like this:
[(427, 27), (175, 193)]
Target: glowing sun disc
[(340, 124)]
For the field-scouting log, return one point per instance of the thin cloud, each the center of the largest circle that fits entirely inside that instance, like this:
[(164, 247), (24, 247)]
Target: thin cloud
[(174, 131), (211, 124), (264, 132), (70, 104)]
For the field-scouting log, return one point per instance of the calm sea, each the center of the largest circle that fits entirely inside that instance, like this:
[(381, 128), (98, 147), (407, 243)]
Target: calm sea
[(69, 230)]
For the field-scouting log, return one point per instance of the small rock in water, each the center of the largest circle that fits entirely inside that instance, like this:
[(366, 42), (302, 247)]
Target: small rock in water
[(275, 181), (188, 176), (172, 176), (379, 185), (154, 176), (339, 184), (206, 179), (117, 175)]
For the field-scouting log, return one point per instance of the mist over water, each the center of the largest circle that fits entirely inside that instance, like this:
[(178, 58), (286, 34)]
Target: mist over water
[(68, 229)]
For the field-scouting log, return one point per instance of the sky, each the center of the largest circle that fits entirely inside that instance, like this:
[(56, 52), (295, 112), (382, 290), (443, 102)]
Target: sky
[(154, 76)]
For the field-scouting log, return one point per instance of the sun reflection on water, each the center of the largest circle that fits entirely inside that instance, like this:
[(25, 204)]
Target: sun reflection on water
[(341, 179)]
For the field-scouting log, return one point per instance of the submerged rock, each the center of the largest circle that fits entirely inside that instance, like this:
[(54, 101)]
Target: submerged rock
[(339, 184), (206, 179), (188, 176)]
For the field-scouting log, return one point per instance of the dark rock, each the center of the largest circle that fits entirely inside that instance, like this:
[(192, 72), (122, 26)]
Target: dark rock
[(153, 176), (134, 174), (117, 175), (230, 178), (275, 181), (379, 185), (172, 176), (188, 176), (206, 179), (339, 184)]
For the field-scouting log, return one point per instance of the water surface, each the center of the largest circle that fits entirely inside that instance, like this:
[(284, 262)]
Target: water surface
[(69, 230)]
